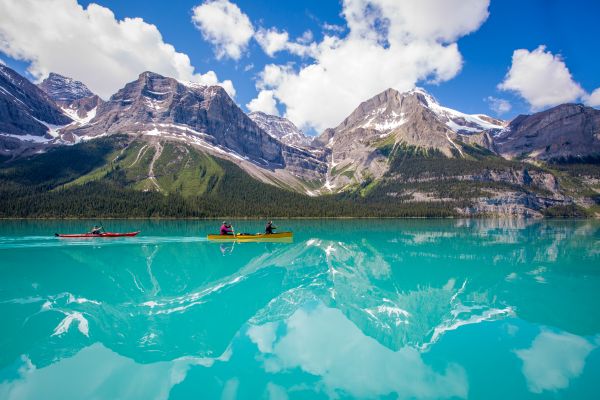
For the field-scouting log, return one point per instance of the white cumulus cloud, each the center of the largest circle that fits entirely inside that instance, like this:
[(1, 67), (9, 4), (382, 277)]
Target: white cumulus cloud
[(593, 99), (264, 102), (225, 26), (499, 106), (271, 40), (541, 78), (553, 360), (389, 44), (90, 45)]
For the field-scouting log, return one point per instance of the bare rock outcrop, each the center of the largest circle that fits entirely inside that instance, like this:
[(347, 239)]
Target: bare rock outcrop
[(565, 131), (24, 108)]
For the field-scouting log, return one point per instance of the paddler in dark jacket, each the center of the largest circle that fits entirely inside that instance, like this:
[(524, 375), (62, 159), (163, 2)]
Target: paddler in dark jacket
[(269, 228), (226, 229)]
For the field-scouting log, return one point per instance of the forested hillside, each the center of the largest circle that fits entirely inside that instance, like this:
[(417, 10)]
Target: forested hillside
[(108, 177)]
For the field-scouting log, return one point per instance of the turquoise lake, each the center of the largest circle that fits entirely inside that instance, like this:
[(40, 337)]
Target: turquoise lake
[(494, 309)]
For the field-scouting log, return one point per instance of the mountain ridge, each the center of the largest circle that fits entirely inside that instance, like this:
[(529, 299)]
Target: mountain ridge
[(394, 150)]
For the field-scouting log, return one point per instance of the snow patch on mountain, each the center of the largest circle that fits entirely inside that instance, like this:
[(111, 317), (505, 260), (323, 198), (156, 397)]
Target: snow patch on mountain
[(280, 128), (74, 115), (64, 89), (192, 85), (457, 121), (383, 120)]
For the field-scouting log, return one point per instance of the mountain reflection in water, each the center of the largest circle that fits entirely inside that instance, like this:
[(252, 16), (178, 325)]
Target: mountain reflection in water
[(360, 309)]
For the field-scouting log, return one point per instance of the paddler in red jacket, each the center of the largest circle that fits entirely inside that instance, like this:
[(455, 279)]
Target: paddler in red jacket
[(226, 229)]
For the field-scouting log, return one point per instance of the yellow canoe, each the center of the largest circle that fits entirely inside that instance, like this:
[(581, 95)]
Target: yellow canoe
[(285, 237)]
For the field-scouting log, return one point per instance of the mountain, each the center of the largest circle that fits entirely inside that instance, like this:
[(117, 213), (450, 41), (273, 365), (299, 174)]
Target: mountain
[(565, 131), (161, 108), (25, 110), (280, 128), (64, 90), (360, 145), (74, 97), (28, 117), (155, 105), (405, 148), (163, 147)]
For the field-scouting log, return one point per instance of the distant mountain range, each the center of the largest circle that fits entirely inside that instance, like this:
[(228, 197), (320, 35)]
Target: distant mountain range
[(396, 154)]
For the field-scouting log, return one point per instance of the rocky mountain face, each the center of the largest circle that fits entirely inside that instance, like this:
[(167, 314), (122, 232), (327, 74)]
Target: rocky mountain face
[(155, 105), (565, 131), (74, 97), (394, 150), (361, 143), (162, 108), (280, 128), (24, 108), (27, 115), (64, 90)]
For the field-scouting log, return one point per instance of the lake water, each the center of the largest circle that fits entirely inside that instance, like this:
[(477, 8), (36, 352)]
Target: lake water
[(493, 309)]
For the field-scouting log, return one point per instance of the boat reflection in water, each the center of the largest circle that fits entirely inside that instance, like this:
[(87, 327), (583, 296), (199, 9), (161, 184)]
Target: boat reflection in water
[(409, 309)]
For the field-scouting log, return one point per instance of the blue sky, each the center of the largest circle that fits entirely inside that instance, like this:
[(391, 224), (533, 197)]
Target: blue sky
[(486, 41)]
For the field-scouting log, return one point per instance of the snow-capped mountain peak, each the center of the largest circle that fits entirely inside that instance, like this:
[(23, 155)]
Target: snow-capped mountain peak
[(457, 121), (280, 128), (63, 89)]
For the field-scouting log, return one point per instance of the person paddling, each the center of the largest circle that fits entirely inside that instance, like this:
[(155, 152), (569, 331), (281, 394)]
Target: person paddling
[(97, 230), (269, 228), (226, 229)]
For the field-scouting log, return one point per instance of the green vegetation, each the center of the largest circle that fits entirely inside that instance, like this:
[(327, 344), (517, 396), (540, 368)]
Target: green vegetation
[(61, 165), (566, 211), (109, 177), (385, 145), (412, 162), (342, 171)]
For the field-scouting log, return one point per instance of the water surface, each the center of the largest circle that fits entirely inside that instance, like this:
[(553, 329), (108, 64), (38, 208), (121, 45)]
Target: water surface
[(351, 309)]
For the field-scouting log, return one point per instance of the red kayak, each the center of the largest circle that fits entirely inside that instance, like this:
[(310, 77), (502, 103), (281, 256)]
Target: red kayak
[(99, 235)]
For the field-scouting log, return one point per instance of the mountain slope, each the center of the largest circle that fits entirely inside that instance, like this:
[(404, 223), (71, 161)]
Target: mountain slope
[(74, 98), (64, 90), (360, 145), (182, 149), (565, 131), (405, 148), (155, 106), (111, 177), (280, 128), (24, 108), (28, 117)]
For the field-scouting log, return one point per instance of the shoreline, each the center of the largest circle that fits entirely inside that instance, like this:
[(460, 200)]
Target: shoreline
[(595, 218)]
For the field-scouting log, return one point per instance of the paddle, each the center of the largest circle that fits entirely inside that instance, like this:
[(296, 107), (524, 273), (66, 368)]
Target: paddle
[(101, 228)]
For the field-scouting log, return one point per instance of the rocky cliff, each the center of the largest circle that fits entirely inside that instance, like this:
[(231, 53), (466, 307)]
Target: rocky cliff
[(565, 131), (280, 128), (162, 108), (360, 145), (155, 105), (74, 97), (395, 151), (64, 90), (24, 108)]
